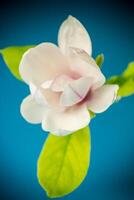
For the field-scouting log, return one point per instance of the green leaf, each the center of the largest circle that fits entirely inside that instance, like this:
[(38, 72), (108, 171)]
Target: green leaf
[(12, 57), (129, 72), (125, 81), (127, 88), (64, 162), (99, 60), (92, 114)]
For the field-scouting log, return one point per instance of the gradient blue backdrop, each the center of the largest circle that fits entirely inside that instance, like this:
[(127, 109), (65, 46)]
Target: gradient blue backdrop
[(111, 173)]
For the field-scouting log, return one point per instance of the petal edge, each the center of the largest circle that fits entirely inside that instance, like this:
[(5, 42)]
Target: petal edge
[(73, 34)]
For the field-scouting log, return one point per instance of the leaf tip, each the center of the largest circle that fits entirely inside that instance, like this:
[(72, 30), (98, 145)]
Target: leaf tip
[(100, 59)]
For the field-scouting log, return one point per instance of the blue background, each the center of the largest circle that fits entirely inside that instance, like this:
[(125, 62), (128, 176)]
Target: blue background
[(111, 173)]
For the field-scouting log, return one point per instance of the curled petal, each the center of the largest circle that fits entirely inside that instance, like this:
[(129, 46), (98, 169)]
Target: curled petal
[(52, 98), (102, 98), (76, 91), (31, 110), (58, 84), (84, 65), (73, 34), (44, 95), (63, 123), (43, 62), (37, 94)]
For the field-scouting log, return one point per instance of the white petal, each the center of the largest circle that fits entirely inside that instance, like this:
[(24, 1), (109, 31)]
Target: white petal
[(31, 111), (58, 83), (40, 98), (45, 96), (63, 123), (73, 51), (43, 62), (33, 88), (84, 66), (47, 84), (76, 91), (37, 94), (52, 98), (59, 132), (73, 34), (88, 66), (102, 98)]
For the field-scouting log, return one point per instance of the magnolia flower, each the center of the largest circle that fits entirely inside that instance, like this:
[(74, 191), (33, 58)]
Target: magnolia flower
[(65, 82)]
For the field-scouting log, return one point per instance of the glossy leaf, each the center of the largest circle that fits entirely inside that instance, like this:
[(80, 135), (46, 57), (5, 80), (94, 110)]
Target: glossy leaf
[(64, 162), (12, 57)]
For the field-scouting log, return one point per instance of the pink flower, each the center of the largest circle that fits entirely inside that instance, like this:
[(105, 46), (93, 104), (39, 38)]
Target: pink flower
[(65, 82)]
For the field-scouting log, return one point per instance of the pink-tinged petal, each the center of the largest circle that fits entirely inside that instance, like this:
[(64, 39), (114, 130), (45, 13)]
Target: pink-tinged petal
[(76, 53), (58, 83), (62, 123), (73, 51), (52, 99), (44, 95), (37, 94), (84, 65), (102, 98), (43, 62), (31, 110), (76, 91), (73, 34)]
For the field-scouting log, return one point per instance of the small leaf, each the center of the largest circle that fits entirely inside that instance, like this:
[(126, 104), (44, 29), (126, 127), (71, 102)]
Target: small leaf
[(92, 114), (129, 72), (99, 60), (125, 81), (127, 88), (64, 162), (12, 57)]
